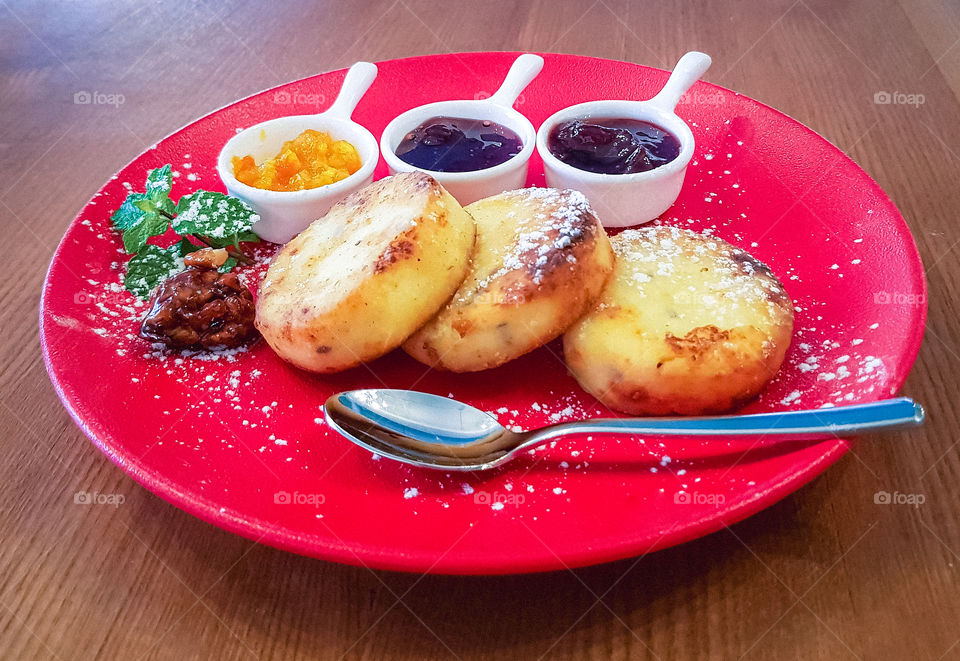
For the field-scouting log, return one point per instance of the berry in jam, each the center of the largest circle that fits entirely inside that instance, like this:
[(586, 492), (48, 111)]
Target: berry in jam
[(454, 144), (612, 146)]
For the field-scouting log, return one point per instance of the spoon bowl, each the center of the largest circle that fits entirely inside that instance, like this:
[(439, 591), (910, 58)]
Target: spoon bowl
[(441, 433)]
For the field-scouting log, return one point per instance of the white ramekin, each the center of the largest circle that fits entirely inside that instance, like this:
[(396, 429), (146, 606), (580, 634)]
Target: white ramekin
[(284, 214), (622, 200), (469, 187)]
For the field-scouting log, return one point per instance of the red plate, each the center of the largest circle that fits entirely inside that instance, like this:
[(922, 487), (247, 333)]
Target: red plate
[(239, 441)]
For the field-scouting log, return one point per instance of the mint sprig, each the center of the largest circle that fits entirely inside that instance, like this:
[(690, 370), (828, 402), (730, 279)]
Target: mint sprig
[(213, 219)]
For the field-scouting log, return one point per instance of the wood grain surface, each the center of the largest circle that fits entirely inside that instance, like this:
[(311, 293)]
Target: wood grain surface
[(824, 574)]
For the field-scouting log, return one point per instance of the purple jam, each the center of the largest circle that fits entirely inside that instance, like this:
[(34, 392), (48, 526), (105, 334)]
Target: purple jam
[(454, 144), (613, 146)]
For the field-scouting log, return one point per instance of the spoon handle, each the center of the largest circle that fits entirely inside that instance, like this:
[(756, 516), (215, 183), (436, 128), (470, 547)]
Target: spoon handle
[(359, 78), (688, 71), (901, 412), (522, 72)]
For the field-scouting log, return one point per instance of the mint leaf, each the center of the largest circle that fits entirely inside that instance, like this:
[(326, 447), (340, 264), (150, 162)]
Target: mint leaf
[(160, 182), (151, 266), (147, 205), (141, 214), (129, 214), (166, 205), (159, 185), (186, 247), (228, 265), (248, 236), (151, 224), (216, 216)]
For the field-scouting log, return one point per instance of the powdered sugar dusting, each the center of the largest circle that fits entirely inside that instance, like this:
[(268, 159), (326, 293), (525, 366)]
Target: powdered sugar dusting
[(556, 223), (738, 280)]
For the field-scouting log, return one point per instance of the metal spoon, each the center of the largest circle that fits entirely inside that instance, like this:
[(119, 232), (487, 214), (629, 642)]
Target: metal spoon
[(438, 432)]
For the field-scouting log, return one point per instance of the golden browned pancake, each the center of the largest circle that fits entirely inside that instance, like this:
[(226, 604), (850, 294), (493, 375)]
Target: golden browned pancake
[(357, 282), (688, 324), (540, 262)]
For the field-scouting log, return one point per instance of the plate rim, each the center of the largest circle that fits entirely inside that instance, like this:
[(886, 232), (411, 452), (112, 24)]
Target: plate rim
[(288, 539)]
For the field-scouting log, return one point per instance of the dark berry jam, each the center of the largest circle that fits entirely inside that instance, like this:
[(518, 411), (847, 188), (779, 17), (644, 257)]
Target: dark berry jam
[(454, 144), (613, 146)]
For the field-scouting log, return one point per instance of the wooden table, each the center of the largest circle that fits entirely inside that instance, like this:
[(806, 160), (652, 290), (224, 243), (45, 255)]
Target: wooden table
[(826, 573)]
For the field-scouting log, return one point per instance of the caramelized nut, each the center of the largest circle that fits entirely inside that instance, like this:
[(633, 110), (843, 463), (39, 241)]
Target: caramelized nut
[(211, 257)]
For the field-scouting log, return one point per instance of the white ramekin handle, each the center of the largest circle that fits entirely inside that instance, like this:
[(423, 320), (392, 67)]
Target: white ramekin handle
[(688, 71), (359, 79), (523, 70)]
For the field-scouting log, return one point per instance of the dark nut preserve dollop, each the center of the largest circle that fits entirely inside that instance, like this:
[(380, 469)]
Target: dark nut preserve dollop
[(612, 146), (200, 308)]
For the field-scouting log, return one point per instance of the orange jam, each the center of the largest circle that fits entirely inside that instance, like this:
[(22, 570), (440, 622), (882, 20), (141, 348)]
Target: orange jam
[(310, 160)]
